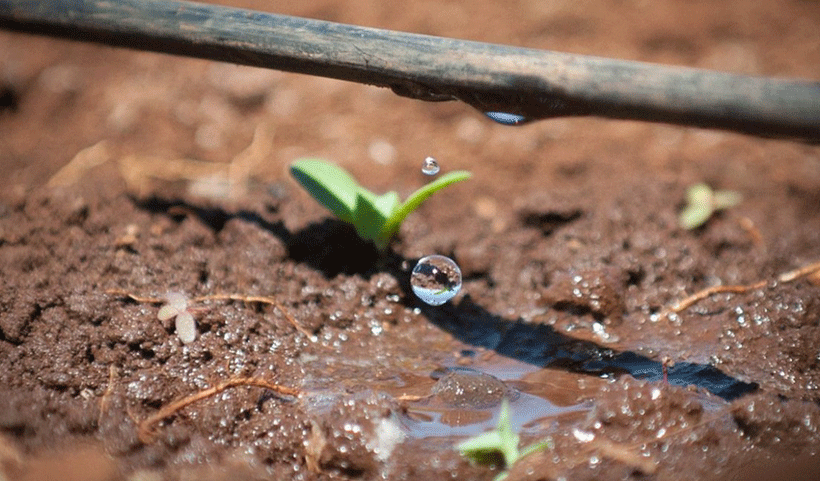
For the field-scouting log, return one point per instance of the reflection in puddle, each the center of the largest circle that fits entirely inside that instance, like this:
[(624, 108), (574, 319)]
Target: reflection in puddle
[(529, 414), (461, 387), (466, 402)]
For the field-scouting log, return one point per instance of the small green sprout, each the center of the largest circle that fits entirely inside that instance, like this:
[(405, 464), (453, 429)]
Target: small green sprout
[(702, 202), (376, 217), (486, 447)]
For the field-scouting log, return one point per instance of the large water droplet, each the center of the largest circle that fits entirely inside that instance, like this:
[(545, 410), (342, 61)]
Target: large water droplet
[(430, 166), (507, 118), (435, 279)]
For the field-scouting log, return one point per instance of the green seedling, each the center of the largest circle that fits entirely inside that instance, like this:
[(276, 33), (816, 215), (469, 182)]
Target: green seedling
[(376, 217), (702, 202), (501, 441)]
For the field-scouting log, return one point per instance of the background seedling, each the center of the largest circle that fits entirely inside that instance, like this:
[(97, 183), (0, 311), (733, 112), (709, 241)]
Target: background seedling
[(376, 218), (177, 307), (702, 202), (501, 441), (177, 303)]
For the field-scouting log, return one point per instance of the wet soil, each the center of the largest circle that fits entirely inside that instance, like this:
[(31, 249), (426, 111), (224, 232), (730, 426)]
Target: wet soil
[(130, 175)]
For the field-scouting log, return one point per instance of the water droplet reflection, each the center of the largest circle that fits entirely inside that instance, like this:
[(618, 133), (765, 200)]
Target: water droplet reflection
[(430, 166), (506, 118), (435, 279)]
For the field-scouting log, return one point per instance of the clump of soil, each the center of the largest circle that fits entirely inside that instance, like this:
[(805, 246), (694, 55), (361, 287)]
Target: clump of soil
[(132, 175)]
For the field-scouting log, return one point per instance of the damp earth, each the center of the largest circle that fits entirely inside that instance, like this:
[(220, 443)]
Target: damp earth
[(131, 175)]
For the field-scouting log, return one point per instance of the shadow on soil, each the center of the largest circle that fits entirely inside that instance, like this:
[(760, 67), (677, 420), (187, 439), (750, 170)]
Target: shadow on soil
[(332, 247), (541, 345)]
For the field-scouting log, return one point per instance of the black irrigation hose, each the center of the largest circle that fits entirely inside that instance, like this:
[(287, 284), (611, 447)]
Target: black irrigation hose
[(533, 83)]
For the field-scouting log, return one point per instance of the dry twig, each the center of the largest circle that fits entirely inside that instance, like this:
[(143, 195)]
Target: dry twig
[(135, 298), (261, 299), (626, 455), (751, 229), (104, 400), (77, 167), (145, 428), (800, 272), (790, 276), (711, 291)]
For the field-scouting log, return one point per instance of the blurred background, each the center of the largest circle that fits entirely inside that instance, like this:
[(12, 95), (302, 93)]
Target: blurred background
[(153, 112)]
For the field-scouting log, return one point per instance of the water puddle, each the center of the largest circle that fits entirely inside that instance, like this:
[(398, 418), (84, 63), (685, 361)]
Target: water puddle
[(446, 382), (529, 414), (446, 404)]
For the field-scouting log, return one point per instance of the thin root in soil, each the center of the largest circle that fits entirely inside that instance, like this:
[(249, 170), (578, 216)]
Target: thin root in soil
[(791, 276), (145, 429), (687, 302), (106, 397)]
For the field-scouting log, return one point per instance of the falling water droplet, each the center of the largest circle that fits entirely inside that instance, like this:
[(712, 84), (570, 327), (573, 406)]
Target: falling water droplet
[(506, 118), (435, 279), (430, 166)]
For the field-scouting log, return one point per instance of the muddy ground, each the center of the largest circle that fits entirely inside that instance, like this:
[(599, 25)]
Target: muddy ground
[(129, 175)]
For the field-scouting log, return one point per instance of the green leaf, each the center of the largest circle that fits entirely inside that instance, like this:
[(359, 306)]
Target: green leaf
[(387, 203), (534, 448), (509, 439), (694, 216), (480, 448), (375, 217), (419, 196), (368, 218), (702, 202), (699, 194), (724, 199), (698, 206), (332, 186), (500, 440)]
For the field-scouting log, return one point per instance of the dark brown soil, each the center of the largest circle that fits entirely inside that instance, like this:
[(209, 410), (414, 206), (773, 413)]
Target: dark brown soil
[(142, 174)]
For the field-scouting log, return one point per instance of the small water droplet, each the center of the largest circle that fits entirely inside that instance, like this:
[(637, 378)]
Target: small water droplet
[(583, 436), (430, 166), (435, 279), (506, 118)]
